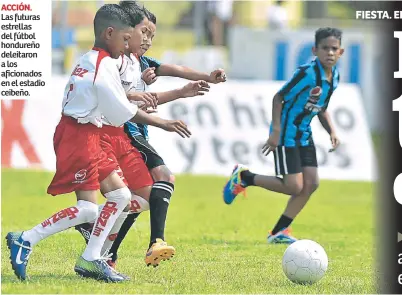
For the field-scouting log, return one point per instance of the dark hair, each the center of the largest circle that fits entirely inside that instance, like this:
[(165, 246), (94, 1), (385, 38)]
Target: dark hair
[(323, 33), (150, 16), (110, 15), (135, 12)]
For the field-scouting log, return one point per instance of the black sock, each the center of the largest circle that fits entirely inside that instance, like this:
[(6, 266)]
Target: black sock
[(125, 227), (158, 206), (247, 177), (283, 223), (85, 229)]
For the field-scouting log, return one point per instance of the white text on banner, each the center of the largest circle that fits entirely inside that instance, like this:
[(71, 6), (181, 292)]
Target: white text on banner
[(229, 126)]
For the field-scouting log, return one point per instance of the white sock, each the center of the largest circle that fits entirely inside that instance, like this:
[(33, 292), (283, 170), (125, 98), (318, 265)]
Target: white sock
[(117, 200), (113, 233), (138, 204), (83, 212), (100, 207)]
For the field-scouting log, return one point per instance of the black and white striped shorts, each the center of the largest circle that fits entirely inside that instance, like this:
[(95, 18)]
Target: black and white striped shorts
[(291, 160), (151, 158)]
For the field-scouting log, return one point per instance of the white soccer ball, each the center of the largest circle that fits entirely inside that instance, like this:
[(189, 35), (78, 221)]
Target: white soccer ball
[(305, 262)]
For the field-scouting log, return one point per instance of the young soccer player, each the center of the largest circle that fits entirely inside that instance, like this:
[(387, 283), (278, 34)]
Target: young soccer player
[(134, 171), (164, 179), (304, 96), (92, 96)]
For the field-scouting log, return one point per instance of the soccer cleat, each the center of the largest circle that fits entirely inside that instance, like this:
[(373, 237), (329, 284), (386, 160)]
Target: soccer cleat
[(20, 251), (112, 265), (234, 186), (282, 237), (85, 230), (159, 251), (98, 270), (12, 237)]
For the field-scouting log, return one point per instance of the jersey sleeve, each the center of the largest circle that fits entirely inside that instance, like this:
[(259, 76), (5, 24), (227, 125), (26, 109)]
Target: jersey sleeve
[(299, 82), (152, 62), (112, 98)]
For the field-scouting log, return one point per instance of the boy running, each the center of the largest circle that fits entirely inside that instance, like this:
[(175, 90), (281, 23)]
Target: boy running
[(134, 172), (304, 96)]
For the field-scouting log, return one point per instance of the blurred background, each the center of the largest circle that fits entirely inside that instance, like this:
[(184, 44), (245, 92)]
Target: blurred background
[(249, 39), (259, 44)]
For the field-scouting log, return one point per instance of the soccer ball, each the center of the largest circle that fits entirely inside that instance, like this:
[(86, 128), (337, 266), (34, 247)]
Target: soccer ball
[(305, 262)]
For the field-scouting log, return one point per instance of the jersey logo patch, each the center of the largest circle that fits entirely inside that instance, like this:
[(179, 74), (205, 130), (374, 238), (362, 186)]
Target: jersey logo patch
[(315, 94), (314, 97)]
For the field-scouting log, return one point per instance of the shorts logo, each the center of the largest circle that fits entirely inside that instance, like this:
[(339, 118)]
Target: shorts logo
[(80, 176)]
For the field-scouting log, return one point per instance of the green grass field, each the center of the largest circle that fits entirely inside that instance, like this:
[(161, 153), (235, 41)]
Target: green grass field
[(220, 248)]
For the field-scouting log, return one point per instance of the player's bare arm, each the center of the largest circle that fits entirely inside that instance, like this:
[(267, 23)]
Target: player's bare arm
[(152, 99), (177, 126), (192, 89), (326, 123), (214, 77), (273, 139)]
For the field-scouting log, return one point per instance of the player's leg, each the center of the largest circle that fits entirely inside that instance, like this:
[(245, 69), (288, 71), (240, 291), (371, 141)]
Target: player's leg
[(286, 160), (108, 146), (76, 170), (280, 233), (161, 193), (140, 182), (136, 204), (91, 263), (21, 244), (135, 174), (159, 201), (297, 202), (139, 203)]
